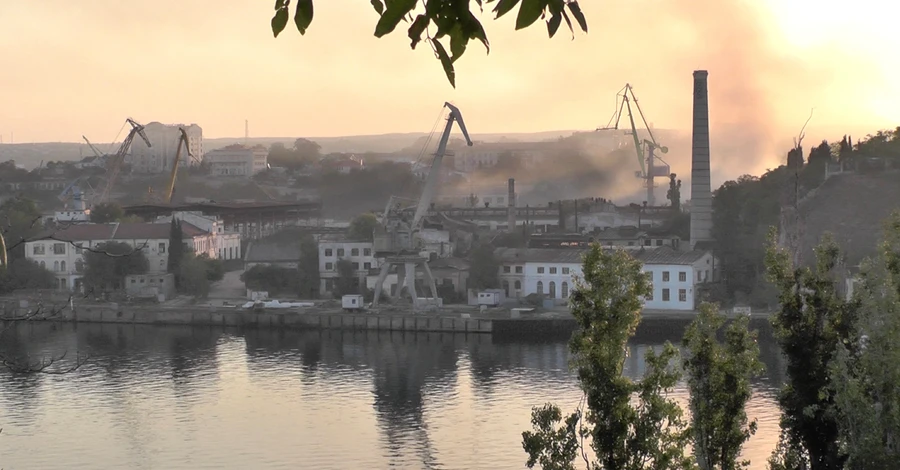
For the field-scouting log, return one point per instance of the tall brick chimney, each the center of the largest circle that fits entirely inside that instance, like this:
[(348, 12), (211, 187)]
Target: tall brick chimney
[(511, 206), (701, 193)]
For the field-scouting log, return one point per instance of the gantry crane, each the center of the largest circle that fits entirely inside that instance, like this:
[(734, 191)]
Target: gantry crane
[(652, 166), (397, 239), (115, 162)]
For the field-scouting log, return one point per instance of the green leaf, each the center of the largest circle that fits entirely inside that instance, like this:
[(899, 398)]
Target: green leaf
[(279, 21), (569, 23), (445, 62), (395, 12), (304, 15), (553, 23), (529, 12), (579, 16), (458, 42), (416, 29), (504, 6), (477, 32), (379, 7)]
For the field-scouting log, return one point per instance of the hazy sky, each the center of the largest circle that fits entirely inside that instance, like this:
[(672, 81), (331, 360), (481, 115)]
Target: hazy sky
[(73, 68)]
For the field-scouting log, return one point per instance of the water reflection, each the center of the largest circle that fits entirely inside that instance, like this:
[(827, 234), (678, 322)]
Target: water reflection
[(185, 397)]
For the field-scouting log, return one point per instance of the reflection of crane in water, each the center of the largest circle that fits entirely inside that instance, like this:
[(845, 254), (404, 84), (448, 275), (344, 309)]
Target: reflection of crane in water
[(402, 369), (652, 166)]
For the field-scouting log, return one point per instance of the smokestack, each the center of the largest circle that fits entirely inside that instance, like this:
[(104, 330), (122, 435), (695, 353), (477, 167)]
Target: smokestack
[(701, 193), (511, 206)]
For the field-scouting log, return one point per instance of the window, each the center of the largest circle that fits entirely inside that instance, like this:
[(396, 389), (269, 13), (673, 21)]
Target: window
[(329, 266), (552, 290), (367, 252), (356, 266), (659, 242), (666, 295), (682, 276), (518, 285), (367, 265), (43, 264), (540, 270), (565, 271), (78, 249), (506, 269), (38, 249), (506, 288), (62, 266), (540, 287), (340, 252), (328, 252), (699, 275), (162, 264), (630, 243), (648, 242), (565, 289), (682, 295), (665, 276), (518, 270), (553, 270), (706, 277), (79, 266), (162, 248), (59, 248), (354, 252), (56, 265)]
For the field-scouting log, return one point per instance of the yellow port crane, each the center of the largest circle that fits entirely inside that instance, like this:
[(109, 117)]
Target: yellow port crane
[(114, 162), (652, 166), (183, 140)]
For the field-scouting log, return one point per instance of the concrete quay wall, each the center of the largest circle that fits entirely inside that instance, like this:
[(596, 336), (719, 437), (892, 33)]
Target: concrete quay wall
[(274, 319)]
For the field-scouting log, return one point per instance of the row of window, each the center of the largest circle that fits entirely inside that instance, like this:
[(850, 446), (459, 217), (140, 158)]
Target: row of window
[(353, 252), (58, 249), (682, 276), (540, 269), (367, 266), (682, 295), (60, 266), (517, 285)]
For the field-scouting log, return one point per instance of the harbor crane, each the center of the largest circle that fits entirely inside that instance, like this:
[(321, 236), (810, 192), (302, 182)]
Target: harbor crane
[(115, 162), (652, 166), (398, 239), (93, 149), (183, 141)]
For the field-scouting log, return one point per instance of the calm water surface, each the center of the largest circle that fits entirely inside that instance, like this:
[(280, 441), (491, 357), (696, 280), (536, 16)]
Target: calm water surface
[(194, 398)]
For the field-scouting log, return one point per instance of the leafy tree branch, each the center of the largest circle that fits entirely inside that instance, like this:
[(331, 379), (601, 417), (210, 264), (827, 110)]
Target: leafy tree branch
[(440, 22)]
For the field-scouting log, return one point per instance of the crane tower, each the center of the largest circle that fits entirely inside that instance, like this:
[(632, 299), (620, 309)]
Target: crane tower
[(651, 165), (397, 239)]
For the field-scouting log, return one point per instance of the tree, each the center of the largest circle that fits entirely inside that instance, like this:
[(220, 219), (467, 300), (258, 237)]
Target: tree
[(674, 193), (193, 276), (308, 268), (346, 282), (272, 279), (866, 369), (484, 270), (215, 268), (106, 212), (107, 265), (451, 19), (719, 383), (307, 150), (812, 321), (363, 227), (176, 247), (21, 220), (24, 273), (649, 432)]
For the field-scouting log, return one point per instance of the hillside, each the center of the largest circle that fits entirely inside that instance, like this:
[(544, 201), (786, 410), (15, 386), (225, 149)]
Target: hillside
[(852, 207)]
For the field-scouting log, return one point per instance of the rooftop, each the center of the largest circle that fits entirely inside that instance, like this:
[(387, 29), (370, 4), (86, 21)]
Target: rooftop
[(669, 255), (117, 231), (449, 263), (540, 255), (262, 251)]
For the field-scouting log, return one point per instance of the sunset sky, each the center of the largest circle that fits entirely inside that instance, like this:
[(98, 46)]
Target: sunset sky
[(73, 68)]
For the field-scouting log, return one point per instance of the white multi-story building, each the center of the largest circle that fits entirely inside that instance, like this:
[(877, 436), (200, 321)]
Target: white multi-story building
[(237, 160), (486, 155), (62, 251), (164, 140), (552, 272), (224, 245), (331, 250)]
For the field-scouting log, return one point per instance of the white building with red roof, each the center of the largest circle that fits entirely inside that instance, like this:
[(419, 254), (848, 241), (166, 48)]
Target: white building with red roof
[(62, 251)]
